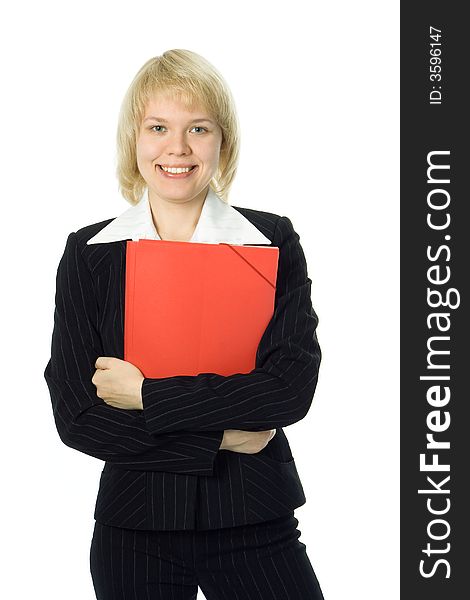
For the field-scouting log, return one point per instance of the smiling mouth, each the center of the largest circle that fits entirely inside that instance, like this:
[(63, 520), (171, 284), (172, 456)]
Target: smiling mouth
[(190, 168), (178, 175)]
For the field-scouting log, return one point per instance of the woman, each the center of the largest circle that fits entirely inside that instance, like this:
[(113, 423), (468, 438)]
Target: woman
[(196, 489)]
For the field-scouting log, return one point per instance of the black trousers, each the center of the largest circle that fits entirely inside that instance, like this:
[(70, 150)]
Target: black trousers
[(261, 561)]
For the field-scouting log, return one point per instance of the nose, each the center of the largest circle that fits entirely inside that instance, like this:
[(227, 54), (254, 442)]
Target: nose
[(178, 144)]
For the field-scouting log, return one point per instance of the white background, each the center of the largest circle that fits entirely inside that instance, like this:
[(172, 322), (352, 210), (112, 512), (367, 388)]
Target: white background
[(316, 87)]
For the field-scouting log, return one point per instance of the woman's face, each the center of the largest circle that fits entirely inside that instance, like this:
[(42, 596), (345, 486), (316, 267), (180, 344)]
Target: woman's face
[(172, 136)]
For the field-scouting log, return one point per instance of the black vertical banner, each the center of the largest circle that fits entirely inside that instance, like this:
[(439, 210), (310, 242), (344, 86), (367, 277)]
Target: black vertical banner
[(435, 272)]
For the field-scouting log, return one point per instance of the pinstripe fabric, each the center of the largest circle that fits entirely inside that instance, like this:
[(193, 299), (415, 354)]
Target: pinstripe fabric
[(163, 467), (262, 561)]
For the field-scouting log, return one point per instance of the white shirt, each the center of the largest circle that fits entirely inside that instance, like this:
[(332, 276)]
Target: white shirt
[(218, 222)]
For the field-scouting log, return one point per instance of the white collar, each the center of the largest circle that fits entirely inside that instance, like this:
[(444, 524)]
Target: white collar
[(218, 222)]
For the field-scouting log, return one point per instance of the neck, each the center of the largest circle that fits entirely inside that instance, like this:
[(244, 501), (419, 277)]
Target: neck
[(176, 220)]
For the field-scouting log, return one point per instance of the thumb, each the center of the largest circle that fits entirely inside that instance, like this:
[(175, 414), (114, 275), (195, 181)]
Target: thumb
[(102, 362)]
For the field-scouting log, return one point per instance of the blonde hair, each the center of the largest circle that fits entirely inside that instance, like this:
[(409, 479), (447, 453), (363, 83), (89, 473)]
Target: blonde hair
[(190, 78)]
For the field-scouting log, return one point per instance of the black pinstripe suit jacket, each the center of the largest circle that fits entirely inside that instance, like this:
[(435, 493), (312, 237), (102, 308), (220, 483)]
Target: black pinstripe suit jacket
[(163, 467)]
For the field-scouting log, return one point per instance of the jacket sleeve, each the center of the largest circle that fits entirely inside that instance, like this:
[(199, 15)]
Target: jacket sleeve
[(83, 420), (280, 389)]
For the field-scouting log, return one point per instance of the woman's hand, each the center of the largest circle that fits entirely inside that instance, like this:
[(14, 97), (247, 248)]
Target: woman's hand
[(246, 442), (118, 382)]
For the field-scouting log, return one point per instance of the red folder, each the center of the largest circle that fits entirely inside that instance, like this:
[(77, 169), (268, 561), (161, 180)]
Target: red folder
[(195, 308)]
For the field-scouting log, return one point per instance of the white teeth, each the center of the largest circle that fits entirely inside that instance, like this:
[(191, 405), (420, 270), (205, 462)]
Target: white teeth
[(176, 170)]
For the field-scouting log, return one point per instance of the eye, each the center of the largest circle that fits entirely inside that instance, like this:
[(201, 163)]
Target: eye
[(162, 126)]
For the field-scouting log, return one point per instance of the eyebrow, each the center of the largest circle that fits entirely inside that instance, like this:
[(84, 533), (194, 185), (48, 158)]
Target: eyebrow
[(165, 121)]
